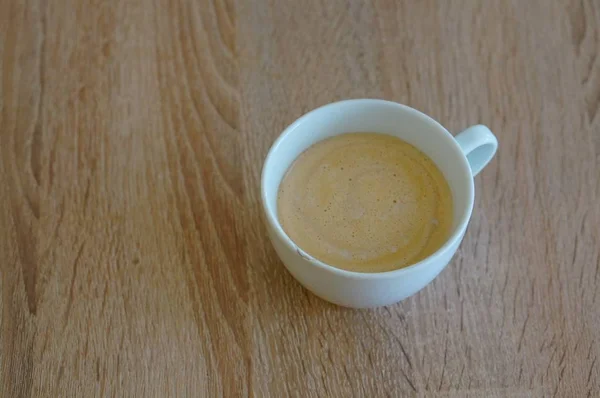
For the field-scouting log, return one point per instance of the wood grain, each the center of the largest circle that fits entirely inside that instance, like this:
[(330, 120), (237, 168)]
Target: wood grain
[(133, 258)]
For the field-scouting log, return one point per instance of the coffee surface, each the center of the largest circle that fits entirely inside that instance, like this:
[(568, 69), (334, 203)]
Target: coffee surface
[(365, 202)]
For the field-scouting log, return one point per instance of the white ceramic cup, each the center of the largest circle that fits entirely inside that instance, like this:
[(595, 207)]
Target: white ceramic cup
[(459, 158)]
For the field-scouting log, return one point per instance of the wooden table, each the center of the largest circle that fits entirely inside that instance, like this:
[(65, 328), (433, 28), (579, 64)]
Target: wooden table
[(133, 257)]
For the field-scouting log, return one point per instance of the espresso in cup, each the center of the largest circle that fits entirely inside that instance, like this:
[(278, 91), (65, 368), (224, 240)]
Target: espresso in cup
[(365, 202)]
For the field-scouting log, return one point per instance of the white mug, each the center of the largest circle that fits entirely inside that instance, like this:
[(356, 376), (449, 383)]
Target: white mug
[(459, 158)]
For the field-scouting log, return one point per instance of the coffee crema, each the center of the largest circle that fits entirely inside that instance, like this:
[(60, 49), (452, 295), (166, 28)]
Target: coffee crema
[(365, 202)]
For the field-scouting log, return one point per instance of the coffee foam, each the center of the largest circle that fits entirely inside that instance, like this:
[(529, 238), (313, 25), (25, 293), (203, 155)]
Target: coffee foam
[(365, 202)]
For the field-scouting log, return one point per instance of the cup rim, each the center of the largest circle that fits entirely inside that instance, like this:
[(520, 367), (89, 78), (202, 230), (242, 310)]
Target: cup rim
[(462, 223)]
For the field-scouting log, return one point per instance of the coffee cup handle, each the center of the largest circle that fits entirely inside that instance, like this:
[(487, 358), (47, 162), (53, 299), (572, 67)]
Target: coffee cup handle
[(479, 145)]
